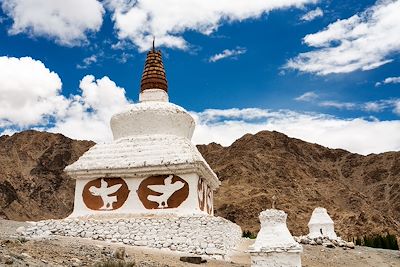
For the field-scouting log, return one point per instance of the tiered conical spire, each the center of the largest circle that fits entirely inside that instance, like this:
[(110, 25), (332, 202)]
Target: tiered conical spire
[(154, 74)]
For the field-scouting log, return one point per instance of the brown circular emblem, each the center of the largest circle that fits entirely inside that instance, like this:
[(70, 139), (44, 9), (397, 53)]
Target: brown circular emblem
[(105, 193), (163, 191)]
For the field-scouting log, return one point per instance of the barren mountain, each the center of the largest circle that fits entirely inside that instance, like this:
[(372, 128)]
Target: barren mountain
[(33, 185), (362, 193)]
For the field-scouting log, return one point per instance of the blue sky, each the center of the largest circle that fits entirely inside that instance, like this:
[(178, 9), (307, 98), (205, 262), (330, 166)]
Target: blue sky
[(311, 69)]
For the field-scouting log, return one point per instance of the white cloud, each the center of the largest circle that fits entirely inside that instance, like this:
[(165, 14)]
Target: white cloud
[(339, 105), (389, 80), (140, 20), (232, 53), (356, 135), (312, 14), (67, 22), (362, 42), (35, 101), (307, 97), (88, 115), (30, 97), (87, 61), (29, 92)]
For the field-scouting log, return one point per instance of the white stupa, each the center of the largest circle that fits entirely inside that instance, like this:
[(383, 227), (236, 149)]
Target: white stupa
[(275, 246), (321, 224), (151, 167), (150, 186)]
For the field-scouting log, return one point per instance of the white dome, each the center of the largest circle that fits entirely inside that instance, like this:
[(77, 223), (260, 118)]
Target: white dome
[(153, 117)]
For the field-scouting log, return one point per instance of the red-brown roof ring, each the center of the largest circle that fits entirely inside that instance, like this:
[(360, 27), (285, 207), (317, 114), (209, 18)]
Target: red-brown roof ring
[(154, 73)]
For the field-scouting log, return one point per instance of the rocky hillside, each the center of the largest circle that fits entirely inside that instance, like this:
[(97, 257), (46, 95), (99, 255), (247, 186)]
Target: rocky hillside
[(33, 185), (362, 193)]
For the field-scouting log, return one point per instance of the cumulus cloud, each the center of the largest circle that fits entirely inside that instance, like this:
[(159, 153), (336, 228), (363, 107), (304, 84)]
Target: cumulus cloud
[(389, 80), (312, 14), (138, 21), (29, 92), (357, 135), (362, 42), (67, 22), (30, 97), (307, 97), (89, 113), (227, 53)]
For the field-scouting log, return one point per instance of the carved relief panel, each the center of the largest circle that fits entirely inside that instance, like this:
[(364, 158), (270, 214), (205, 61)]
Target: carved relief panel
[(105, 193), (205, 196)]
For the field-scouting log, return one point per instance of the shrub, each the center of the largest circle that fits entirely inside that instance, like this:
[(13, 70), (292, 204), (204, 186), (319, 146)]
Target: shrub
[(248, 234), (387, 241)]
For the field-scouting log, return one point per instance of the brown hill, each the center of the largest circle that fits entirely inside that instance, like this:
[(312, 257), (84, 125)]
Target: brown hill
[(362, 193), (33, 185)]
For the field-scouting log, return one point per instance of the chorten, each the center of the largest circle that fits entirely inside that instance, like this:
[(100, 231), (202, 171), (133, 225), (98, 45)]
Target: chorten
[(321, 224), (150, 186), (275, 246), (151, 166)]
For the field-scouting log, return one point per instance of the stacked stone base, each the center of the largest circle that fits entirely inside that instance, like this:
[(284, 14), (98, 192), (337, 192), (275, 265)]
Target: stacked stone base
[(325, 241), (200, 235)]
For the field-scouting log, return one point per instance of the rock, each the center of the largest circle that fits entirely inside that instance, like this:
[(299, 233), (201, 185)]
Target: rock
[(193, 260), (328, 244), (119, 253), (350, 245), (318, 241), (25, 255), (7, 259), (20, 230), (312, 242)]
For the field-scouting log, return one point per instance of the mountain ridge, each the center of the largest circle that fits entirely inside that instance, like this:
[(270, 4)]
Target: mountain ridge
[(361, 193)]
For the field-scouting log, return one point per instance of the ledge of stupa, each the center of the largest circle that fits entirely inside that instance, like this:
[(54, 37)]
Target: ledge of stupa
[(140, 156)]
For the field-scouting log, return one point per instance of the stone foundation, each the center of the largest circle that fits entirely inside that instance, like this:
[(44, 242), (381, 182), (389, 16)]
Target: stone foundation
[(276, 259), (201, 235)]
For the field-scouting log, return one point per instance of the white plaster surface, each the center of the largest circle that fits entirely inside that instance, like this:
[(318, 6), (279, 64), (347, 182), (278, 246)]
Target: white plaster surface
[(133, 205), (143, 155), (321, 221), (201, 235), (151, 117), (275, 246), (153, 95)]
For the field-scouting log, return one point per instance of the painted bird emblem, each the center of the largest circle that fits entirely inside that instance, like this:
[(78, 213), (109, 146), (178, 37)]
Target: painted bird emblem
[(104, 191), (166, 189)]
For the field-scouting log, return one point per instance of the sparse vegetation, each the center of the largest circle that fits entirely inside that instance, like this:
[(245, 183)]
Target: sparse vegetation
[(248, 234), (387, 241)]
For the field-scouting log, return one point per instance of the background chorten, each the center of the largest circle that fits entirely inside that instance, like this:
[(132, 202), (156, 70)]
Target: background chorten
[(321, 224)]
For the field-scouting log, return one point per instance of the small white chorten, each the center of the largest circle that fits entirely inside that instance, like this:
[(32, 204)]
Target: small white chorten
[(321, 224), (275, 246)]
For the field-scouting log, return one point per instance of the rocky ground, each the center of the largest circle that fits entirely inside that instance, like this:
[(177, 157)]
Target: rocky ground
[(63, 251)]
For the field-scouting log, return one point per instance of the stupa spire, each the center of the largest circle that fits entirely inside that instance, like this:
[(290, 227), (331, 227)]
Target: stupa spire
[(154, 73)]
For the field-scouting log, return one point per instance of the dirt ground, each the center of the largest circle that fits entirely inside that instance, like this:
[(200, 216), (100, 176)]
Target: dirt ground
[(62, 251)]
